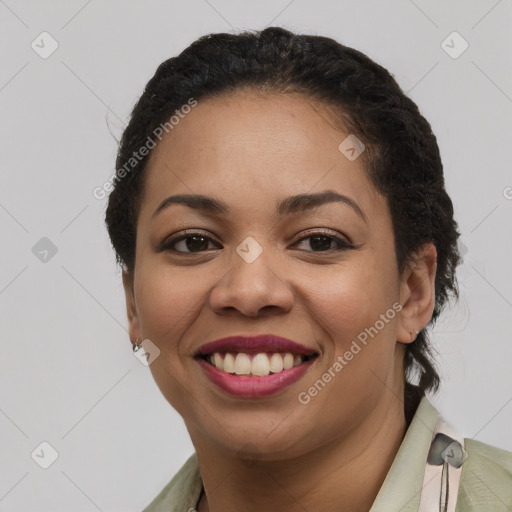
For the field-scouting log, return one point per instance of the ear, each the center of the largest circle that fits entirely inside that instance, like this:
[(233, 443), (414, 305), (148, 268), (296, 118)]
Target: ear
[(417, 293), (131, 309)]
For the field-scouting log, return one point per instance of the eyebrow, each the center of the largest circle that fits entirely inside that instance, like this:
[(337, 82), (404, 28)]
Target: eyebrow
[(291, 205)]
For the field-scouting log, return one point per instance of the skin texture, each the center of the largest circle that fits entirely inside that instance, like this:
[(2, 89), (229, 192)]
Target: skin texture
[(275, 453)]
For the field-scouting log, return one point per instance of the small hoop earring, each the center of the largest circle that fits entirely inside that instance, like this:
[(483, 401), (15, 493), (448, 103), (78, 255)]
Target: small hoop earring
[(137, 345)]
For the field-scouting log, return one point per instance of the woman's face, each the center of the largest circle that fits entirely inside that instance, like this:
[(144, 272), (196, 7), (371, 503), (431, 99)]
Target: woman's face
[(292, 278)]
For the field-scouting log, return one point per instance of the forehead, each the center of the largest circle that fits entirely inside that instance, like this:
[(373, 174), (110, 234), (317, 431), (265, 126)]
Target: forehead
[(246, 146)]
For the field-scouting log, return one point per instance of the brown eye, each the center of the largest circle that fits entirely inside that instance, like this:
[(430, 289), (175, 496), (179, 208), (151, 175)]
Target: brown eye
[(188, 243), (322, 242)]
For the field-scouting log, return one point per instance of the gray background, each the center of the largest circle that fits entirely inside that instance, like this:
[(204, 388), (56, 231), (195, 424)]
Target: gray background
[(67, 372)]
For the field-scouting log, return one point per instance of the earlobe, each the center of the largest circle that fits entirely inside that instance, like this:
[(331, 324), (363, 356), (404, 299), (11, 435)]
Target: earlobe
[(417, 293), (131, 309)]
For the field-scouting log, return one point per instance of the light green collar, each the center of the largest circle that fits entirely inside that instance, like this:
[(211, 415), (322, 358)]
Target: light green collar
[(401, 489)]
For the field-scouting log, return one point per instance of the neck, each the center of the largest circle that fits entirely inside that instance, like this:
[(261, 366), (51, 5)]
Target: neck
[(330, 478)]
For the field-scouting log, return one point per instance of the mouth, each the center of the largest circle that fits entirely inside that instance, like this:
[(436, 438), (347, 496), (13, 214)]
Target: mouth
[(260, 364), (254, 366)]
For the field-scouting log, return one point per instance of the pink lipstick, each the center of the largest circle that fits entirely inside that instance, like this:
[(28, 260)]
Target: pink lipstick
[(265, 364)]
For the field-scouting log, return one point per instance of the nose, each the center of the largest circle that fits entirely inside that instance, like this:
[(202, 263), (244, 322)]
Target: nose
[(252, 288)]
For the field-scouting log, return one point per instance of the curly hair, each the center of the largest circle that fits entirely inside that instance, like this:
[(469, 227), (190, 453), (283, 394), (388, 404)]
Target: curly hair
[(401, 156)]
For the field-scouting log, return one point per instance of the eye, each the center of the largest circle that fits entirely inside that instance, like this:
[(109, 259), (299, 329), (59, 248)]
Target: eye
[(195, 242), (320, 241), (189, 242)]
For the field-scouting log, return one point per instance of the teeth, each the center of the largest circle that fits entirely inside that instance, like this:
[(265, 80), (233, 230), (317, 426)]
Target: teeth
[(229, 363), (259, 365), (288, 361), (217, 361), (276, 363), (242, 364)]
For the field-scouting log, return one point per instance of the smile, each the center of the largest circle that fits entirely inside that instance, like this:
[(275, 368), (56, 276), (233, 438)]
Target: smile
[(246, 377), (255, 365)]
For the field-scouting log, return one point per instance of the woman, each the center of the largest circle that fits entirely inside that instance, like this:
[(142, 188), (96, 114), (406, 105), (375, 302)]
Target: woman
[(286, 239)]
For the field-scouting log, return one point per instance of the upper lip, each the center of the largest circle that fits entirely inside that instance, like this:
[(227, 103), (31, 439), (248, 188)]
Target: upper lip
[(254, 344)]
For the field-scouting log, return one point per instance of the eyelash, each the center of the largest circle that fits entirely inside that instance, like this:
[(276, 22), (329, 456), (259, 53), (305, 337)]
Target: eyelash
[(342, 244)]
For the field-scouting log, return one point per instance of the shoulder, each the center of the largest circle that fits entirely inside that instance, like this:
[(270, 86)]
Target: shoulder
[(486, 479), (182, 492)]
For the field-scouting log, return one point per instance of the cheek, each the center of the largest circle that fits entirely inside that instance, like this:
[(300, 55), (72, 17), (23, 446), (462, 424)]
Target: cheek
[(359, 345), (354, 309), (348, 300), (168, 302)]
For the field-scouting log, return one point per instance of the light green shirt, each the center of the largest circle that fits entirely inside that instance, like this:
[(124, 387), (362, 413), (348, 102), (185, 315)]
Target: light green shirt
[(485, 484)]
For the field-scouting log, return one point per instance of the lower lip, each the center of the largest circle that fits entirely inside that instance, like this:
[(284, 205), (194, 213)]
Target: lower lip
[(254, 387)]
